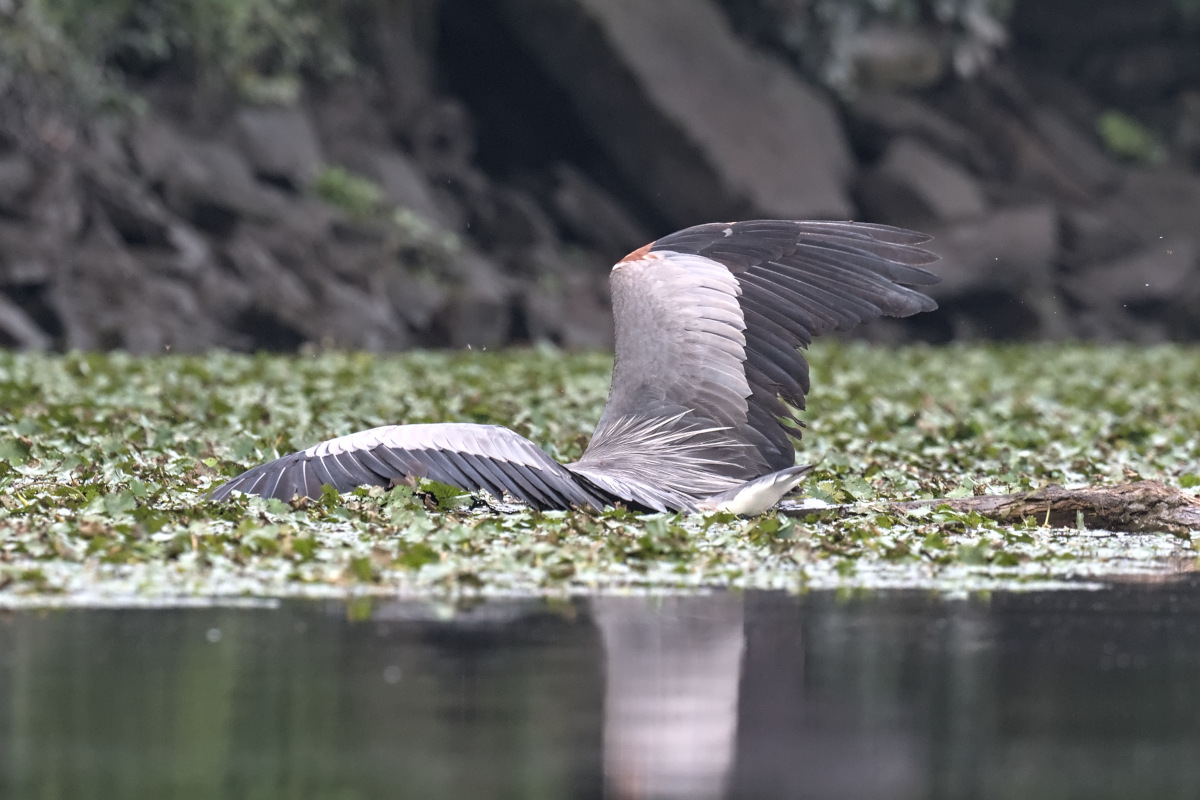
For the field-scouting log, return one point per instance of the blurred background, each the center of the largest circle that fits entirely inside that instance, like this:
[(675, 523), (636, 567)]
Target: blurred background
[(386, 174)]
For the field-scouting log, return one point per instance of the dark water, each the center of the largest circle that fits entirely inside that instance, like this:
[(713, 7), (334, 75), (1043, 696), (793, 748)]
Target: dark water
[(1056, 695)]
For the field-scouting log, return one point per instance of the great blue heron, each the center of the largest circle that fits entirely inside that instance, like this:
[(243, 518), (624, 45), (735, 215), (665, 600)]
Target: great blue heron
[(701, 413)]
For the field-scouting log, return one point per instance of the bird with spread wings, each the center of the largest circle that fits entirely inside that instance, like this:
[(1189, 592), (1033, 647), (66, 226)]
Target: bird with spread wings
[(709, 374)]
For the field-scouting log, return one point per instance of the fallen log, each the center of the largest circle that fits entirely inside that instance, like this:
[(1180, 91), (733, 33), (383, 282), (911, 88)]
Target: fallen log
[(1144, 507)]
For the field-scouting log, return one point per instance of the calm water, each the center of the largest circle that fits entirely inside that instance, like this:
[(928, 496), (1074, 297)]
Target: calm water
[(1057, 695)]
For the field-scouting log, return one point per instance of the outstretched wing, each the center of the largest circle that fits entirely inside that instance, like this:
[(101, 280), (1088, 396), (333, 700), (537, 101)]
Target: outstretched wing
[(709, 322), (486, 457)]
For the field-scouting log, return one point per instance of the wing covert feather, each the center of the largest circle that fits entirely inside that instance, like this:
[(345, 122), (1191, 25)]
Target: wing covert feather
[(472, 457)]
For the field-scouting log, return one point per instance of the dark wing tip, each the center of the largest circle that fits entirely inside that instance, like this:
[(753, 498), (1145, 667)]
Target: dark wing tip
[(883, 233), (266, 480), (742, 245), (241, 483)]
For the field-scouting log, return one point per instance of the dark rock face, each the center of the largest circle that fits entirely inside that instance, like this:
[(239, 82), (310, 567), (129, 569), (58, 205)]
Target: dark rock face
[(403, 184), (1075, 150), (17, 177), (1001, 264), (19, 329), (705, 126), (280, 144), (913, 184), (500, 156)]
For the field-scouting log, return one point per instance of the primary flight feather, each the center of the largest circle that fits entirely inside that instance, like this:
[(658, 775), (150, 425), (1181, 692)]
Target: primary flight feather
[(710, 325)]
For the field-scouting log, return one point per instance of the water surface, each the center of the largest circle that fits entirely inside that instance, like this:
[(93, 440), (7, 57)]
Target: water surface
[(1089, 694)]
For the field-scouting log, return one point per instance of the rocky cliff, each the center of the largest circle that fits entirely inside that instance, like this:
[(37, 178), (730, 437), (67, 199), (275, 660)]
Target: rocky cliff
[(471, 177)]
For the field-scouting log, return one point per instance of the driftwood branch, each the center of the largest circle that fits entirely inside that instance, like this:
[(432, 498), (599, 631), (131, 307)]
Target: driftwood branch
[(1145, 506)]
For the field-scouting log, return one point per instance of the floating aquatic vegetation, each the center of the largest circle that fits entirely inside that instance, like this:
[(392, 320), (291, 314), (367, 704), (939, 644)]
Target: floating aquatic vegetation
[(105, 461)]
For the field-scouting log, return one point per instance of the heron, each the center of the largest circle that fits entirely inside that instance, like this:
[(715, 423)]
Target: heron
[(709, 377)]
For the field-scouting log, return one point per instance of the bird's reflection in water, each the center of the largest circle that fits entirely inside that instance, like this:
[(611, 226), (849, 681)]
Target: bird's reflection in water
[(671, 694), (762, 695)]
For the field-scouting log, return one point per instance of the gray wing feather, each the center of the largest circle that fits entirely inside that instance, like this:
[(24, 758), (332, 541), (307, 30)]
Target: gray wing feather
[(320, 468), (710, 323), (471, 457), (640, 495), (491, 479)]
